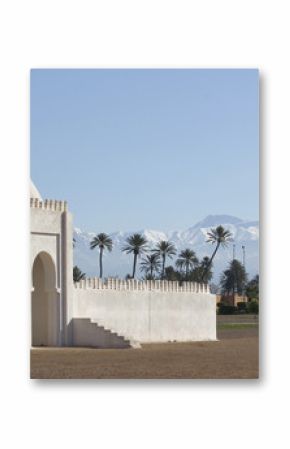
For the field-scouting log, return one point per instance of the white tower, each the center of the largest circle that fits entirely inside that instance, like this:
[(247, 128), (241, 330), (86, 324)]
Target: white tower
[(51, 271)]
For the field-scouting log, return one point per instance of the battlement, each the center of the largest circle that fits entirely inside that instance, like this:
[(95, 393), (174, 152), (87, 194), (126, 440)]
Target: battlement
[(135, 285), (53, 205)]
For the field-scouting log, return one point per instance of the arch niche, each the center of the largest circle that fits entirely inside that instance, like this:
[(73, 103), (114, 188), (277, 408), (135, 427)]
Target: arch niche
[(45, 302)]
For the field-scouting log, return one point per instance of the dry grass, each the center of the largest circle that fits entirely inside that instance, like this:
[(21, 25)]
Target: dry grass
[(234, 356)]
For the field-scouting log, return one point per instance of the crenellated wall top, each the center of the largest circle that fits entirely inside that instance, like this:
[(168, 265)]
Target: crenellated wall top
[(136, 285), (53, 205)]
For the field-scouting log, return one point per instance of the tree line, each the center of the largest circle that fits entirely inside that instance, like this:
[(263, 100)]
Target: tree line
[(153, 261)]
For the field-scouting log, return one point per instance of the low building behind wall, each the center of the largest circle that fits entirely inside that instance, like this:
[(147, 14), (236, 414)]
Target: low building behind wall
[(231, 300)]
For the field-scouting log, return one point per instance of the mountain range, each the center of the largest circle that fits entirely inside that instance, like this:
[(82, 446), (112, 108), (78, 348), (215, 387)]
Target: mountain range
[(245, 233)]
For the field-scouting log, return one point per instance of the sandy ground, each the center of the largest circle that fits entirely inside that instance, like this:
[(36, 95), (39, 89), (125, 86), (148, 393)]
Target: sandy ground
[(234, 356)]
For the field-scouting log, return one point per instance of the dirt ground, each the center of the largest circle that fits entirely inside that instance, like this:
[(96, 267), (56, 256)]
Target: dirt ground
[(234, 356)]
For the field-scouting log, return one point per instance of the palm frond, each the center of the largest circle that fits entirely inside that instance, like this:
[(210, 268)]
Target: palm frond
[(219, 235), (102, 240), (78, 275), (136, 244), (188, 256), (165, 248)]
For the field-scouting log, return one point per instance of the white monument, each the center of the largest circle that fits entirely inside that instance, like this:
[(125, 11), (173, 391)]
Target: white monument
[(116, 313)]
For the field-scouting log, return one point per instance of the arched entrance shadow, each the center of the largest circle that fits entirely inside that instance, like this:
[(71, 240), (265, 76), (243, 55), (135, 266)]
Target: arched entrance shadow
[(45, 302)]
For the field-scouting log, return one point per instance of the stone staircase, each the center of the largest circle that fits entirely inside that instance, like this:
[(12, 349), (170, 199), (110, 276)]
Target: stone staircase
[(124, 338), (91, 332)]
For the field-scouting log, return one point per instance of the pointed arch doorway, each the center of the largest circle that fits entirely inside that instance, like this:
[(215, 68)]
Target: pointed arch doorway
[(45, 302)]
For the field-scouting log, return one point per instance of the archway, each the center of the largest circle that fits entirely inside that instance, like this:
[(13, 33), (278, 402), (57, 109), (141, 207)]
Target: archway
[(45, 302)]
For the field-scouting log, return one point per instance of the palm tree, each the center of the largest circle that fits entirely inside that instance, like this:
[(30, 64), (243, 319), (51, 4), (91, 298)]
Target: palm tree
[(186, 259), (78, 275), (164, 249), (102, 241), (136, 244), (220, 237), (172, 275), (150, 264), (179, 265), (197, 273), (205, 265), (205, 261)]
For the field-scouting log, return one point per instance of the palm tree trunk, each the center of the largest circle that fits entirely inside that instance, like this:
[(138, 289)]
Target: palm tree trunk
[(210, 261), (101, 263), (163, 266), (151, 272), (134, 265), (186, 270)]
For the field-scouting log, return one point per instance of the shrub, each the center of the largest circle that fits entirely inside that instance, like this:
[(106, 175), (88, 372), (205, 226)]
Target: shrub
[(253, 307), (225, 309)]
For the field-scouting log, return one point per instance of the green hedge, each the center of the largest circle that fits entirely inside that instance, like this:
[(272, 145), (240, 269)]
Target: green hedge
[(225, 309)]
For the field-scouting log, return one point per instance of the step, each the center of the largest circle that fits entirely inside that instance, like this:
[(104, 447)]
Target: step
[(126, 339)]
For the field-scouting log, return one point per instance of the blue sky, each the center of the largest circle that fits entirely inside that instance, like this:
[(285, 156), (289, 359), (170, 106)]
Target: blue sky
[(157, 149)]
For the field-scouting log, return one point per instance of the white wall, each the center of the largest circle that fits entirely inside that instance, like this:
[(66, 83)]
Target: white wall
[(150, 316)]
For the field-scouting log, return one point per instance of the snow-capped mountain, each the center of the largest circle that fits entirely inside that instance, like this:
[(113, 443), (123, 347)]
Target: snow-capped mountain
[(119, 264)]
